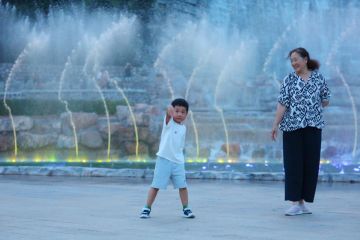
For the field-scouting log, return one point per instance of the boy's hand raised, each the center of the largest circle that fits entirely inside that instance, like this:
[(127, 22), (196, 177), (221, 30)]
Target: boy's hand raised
[(169, 113)]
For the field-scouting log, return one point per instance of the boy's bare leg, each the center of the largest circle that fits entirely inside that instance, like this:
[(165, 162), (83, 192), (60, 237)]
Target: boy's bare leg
[(151, 196), (183, 192)]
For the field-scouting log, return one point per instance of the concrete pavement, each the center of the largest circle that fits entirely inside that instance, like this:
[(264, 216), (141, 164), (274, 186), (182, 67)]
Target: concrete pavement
[(36, 208)]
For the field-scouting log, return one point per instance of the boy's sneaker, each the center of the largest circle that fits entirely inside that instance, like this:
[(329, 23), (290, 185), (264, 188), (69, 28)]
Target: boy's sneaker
[(145, 212), (294, 210), (188, 213), (304, 209)]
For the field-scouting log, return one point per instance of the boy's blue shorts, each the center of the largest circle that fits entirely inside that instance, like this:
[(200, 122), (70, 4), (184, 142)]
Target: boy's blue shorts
[(166, 170)]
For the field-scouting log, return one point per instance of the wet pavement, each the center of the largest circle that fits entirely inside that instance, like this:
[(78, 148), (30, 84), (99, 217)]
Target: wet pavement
[(40, 207)]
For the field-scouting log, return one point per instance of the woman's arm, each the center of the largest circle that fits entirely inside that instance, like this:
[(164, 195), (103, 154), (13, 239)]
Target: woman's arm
[(280, 111)]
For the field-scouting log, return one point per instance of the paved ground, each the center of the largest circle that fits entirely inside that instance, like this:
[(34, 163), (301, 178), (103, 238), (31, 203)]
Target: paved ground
[(36, 208)]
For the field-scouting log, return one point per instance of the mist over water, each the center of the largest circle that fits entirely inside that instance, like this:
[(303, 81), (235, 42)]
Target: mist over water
[(66, 28)]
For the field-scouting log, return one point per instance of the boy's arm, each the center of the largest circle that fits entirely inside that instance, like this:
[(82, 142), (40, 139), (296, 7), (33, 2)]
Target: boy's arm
[(169, 114)]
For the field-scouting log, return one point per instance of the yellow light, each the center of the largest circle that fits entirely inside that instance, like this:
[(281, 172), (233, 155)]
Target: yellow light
[(196, 160), (13, 159), (141, 159), (220, 160), (325, 161), (189, 160), (99, 161)]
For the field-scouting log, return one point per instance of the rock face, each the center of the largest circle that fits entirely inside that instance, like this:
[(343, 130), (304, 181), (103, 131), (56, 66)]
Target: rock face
[(20, 123), (66, 142), (91, 132), (28, 140), (81, 120), (6, 141), (234, 149), (122, 113), (91, 139)]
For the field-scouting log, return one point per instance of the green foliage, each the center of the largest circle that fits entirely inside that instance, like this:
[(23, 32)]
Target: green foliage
[(38, 107)]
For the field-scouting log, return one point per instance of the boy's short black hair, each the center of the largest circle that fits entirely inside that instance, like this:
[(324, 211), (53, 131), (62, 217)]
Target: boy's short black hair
[(180, 102)]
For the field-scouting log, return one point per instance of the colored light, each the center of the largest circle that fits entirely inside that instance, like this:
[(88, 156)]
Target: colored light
[(220, 160), (200, 160)]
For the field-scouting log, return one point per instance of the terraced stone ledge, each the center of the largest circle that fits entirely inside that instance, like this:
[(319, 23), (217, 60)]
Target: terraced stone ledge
[(148, 173)]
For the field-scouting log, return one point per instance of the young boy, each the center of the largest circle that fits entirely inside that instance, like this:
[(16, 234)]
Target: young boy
[(170, 158)]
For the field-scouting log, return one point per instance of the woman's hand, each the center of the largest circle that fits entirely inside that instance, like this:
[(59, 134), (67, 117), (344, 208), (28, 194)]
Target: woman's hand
[(280, 110), (274, 131), (324, 103)]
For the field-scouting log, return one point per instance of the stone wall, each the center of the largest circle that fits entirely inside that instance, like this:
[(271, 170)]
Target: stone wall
[(56, 134)]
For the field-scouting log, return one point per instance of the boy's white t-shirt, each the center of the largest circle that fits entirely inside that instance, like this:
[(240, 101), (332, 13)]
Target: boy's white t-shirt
[(172, 141)]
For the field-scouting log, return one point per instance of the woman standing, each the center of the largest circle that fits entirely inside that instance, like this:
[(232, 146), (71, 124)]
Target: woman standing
[(303, 95)]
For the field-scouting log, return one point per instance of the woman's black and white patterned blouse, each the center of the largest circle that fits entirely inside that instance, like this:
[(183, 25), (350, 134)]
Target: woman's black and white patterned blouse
[(303, 101)]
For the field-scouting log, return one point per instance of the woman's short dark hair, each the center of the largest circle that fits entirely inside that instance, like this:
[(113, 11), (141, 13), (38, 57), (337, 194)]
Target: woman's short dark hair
[(180, 102), (312, 64)]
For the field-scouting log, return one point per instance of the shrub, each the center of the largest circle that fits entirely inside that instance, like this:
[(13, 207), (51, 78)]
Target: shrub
[(40, 107)]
